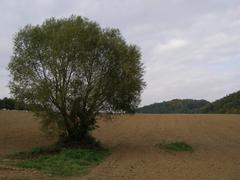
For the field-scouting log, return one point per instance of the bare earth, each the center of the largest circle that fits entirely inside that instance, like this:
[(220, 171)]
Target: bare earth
[(132, 140)]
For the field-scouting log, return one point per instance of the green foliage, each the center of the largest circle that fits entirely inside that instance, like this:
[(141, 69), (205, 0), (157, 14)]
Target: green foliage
[(68, 70), (11, 104), (7, 103), (174, 106), (228, 104), (175, 146), (66, 163)]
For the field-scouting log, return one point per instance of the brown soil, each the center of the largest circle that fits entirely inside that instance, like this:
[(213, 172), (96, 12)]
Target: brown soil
[(19, 131), (132, 140)]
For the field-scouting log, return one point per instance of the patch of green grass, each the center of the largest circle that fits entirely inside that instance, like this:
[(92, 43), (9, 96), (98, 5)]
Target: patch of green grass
[(175, 146), (37, 150), (66, 163), (34, 152)]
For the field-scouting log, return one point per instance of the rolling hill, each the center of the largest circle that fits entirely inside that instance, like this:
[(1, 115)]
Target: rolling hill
[(229, 104), (175, 106)]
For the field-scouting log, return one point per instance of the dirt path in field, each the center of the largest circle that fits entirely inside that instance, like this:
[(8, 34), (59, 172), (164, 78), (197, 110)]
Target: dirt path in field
[(132, 139)]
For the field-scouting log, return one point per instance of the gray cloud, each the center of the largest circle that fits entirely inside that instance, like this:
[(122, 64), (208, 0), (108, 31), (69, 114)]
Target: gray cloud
[(190, 48)]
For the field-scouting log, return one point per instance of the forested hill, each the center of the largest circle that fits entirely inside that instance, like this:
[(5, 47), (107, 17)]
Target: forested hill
[(175, 106), (229, 104)]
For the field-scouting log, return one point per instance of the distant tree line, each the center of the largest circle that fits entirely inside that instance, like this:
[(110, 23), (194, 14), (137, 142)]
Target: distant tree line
[(227, 105), (175, 106), (12, 104)]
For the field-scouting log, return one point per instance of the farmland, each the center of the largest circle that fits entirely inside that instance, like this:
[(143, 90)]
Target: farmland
[(132, 140)]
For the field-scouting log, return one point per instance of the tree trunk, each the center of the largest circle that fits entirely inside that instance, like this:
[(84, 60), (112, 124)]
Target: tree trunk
[(78, 134)]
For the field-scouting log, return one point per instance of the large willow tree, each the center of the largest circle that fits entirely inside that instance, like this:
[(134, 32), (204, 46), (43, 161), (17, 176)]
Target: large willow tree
[(69, 70)]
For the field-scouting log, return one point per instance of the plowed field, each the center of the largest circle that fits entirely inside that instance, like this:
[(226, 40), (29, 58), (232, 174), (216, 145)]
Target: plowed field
[(132, 139)]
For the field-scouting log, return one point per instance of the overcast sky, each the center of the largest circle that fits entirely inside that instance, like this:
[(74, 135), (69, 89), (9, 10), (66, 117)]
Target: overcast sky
[(190, 48)]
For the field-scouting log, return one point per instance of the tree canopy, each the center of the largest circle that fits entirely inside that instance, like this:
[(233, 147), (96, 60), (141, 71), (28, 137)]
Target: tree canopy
[(68, 70)]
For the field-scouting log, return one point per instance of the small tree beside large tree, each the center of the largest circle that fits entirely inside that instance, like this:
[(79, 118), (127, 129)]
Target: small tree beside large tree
[(69, 70)]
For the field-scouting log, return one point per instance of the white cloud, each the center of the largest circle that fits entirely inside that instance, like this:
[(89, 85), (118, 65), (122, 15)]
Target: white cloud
[(172, 44)]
